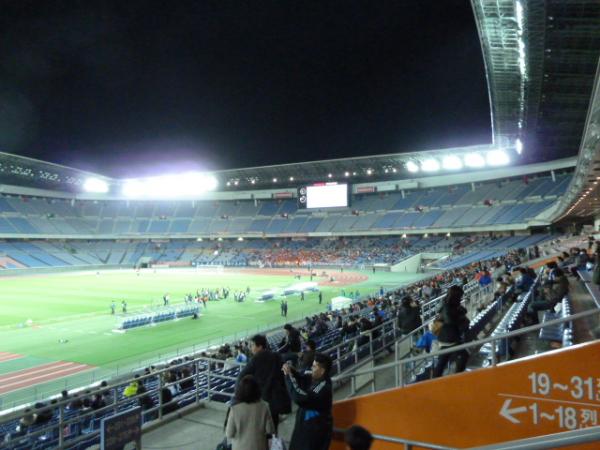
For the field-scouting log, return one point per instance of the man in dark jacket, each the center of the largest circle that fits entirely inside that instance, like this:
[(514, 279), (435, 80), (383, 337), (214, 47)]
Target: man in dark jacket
[(552, 294), (314, 396), (409, 316), (455, 325), (291, 344), (307, 357), (265, 365)]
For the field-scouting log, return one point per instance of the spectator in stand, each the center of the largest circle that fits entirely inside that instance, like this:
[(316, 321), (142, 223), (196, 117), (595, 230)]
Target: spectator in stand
[(454, 326), (409, 315), (358, 438), (291, 344), (249, 421), (265, 365), (314, 396), (551, 295), (523, 280), (501, 287), (581, 260), (485, 278), (307, 356)]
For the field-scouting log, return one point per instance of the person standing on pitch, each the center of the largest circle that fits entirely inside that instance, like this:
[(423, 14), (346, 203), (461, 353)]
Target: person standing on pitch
[(124, 306), (113, 306), (320, 297), (285, 308), (302, 296)]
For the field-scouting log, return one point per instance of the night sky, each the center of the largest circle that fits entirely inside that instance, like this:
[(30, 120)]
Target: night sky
[(130, 88)]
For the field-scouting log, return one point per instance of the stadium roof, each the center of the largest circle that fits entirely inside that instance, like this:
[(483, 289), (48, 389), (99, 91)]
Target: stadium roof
[(582, 199), (540, 58)]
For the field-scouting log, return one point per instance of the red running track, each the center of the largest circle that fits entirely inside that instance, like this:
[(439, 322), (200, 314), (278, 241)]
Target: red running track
[(5, 356), (21, 379)]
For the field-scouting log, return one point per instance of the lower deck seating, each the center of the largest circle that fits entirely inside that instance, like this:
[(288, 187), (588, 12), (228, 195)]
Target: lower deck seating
[(562, 332)]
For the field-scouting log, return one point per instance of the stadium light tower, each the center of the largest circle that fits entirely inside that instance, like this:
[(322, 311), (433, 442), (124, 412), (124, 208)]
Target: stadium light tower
[(95, 185)]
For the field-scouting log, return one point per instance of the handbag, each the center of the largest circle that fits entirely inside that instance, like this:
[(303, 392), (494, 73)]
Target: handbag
[(223, 445), (277, 444)]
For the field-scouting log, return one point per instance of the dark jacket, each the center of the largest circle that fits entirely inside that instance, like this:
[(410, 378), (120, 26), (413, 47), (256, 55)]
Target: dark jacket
[(314, 422), (266, 368), (559, 289), (455, 324), (292, 343), (409, 319), (306, 360)]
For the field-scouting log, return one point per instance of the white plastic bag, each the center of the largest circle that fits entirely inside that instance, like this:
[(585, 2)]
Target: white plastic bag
[(277, 444)]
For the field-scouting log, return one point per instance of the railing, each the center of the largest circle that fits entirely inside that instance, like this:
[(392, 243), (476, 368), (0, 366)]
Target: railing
[(399, 365), (550, 441), (407, 443)]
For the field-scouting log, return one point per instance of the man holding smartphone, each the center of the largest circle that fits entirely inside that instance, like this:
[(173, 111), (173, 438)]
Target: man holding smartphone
[(314, 396)]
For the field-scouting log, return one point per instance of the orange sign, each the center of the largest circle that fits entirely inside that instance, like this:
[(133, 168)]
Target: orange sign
[(543, 394)]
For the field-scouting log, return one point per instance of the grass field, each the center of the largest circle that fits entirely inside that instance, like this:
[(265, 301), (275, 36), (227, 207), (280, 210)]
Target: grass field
[(66, 317)]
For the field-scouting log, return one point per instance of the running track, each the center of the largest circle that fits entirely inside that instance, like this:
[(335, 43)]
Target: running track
[(5, 356), (21, 379)]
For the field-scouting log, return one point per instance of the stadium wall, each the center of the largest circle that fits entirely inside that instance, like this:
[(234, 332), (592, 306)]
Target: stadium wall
[(26, 271)]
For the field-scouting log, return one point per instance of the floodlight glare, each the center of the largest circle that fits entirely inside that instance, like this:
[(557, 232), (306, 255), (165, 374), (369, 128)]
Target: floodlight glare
[(519, 146), (346, 174), (170, 186), (430, 165), (95, 185), (412, 167), (452, 162), (497, 158), (474, 160), (291, 178), (274, 180), (133, 188), (329, 175)]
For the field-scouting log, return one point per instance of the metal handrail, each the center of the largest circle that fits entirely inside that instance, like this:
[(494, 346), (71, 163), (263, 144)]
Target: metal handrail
[(562, 439), (408, 443), (480, 342)]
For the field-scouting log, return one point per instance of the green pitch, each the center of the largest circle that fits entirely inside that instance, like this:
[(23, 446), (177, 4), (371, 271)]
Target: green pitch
[(67, 316)]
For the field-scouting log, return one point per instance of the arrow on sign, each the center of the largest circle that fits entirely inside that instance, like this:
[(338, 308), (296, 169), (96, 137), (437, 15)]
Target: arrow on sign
[(507, 412)]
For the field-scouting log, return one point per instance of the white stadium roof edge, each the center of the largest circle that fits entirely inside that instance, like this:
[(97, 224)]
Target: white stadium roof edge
[(399, 182)]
